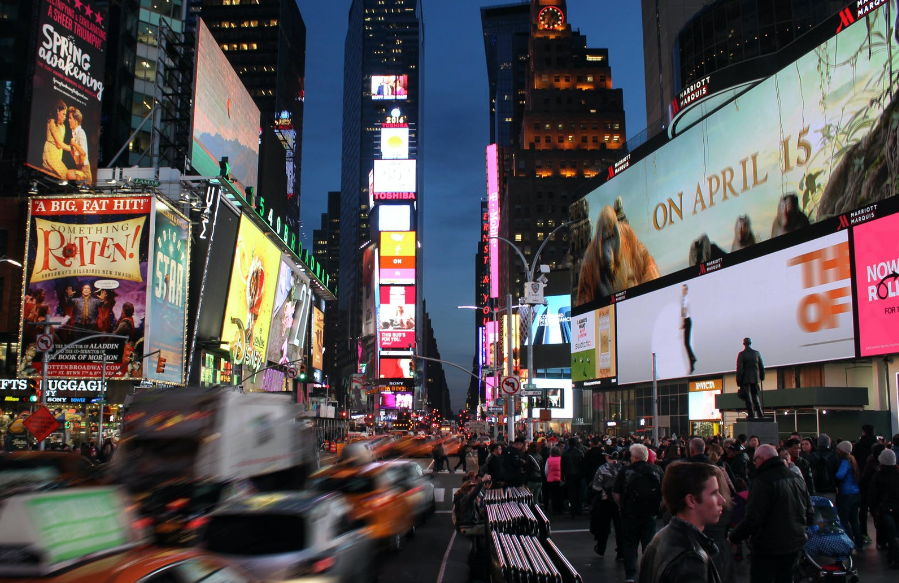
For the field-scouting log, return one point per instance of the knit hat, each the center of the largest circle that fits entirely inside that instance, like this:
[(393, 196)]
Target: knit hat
[(844, 446), (887, 457), (824, 441)]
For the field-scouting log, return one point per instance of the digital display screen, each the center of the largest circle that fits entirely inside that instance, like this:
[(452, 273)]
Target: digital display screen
[(593, 345), (394, 143), (396, 368), (389, 87), (394, 217), (396, 318), (394, 176), (552, 323), (877, 286), (396, 400)]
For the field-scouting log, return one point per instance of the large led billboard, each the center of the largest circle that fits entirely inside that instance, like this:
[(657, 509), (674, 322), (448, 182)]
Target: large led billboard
[(67, 89), (400, 400), (803, 145), (594, 356), (394, 143), (226, 119), (493, 216), (86, 272), (394, 180), (551, 323), (795, 304), (397, 257), (396, 318), (251, 296), (394, 217), (876, 248), (369, 290), (389, 87), (291, 312), (559, 398), (396, 368), (398, 244)]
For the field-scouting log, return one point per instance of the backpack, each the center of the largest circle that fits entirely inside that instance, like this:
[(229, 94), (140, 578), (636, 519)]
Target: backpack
[(642, 492)]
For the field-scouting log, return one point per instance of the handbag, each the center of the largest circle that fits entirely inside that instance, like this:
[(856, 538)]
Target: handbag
[(742, 392)]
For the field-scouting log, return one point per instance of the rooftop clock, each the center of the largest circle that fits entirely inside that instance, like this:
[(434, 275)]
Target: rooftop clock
[(552, 18)]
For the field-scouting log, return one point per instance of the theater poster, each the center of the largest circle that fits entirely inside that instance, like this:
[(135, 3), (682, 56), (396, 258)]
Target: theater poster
[(67, 89), (86, 275)]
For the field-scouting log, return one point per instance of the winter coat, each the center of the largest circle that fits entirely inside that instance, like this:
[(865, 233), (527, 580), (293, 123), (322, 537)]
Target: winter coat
[(679, 553), (554, 469)]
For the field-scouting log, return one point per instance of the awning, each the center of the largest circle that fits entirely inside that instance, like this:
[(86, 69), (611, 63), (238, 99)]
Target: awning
[(802, 398)]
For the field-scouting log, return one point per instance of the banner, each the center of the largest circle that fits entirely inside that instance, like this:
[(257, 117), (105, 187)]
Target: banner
[(167, 310), (67, 88), (808, 143), (86, 273), (877, 285), (318, 337), (251, 294), (292, 312)]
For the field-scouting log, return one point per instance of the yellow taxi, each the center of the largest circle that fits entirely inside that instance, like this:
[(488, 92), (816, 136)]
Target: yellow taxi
[(377, 494)]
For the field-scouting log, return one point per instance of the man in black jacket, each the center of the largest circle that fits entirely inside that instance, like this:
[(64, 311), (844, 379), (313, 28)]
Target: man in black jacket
[(681, 552), (824, 463), (794, 446), (777, 513), (494, 465), (750, 372), (883, 498), (638, 520), (573, 474), (592, 460)]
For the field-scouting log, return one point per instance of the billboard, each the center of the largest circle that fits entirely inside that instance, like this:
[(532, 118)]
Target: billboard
[(86, 273), (394, 217), (226, 119), (701, 400), (876, 249), (559, 398), (594, 357), (394, 143), (795, 304), (803, 145), (290, 315), (369, 290), (493, 216), (396, 368), (397, 257), (167, 303), (552, 322), (396, 318), (318, 337), (67, 88), (396, 400), (251, 296), (390, 87), (394, 180)]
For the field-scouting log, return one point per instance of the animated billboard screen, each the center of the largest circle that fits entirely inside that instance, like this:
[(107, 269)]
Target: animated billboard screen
[(876, 247), (389, 87), (394, 143), (396, 318), (394, 217), (803, 145), (87, 273), (594, 357), (226, 119), (251, 296), (67, 88), (394, 179), (397, 257), (290, 315), (396, 400), (795, 305), (552, 322), (396, 368)]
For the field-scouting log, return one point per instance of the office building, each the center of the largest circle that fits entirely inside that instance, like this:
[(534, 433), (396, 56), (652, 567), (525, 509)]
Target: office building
[(326, 250)]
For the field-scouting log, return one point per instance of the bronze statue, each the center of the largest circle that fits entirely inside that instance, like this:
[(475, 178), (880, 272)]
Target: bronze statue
[(750, 373)]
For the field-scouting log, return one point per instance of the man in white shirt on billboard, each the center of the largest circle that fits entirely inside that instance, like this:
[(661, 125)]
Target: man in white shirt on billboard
[(687, 326)]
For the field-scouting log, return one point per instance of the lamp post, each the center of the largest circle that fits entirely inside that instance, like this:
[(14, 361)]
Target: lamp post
[(529, 272)]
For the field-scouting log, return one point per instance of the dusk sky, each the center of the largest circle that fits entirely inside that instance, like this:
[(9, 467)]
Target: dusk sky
[(455, 133)]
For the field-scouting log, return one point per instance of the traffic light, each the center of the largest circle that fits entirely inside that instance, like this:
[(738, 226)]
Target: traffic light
[(160, 366), (34, 390), (343, 414), (302, 375)]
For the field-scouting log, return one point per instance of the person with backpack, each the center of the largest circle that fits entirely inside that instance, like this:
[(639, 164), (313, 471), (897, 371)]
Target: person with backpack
[(824, 463), (638, 492), (604, 513)]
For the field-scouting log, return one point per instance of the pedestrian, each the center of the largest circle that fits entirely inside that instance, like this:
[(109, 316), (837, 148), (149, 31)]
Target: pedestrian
[(533, 463), (553, 470), (794, 446), (592, 460), (572, 473), (604, 512), (718, 531), (872, 467), (824, 465), (849, 495), (638, 493), (464, 450), (513, 464), (777, 513), (440, 458), (884, 503), (494, 465), (737, 459), (682, 551), (483, 451)]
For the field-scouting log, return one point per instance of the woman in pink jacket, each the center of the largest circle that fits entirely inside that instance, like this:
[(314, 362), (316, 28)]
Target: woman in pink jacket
[(553, 471)]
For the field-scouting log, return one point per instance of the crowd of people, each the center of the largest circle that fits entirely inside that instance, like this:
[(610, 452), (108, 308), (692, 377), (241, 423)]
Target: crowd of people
[(713, 496)]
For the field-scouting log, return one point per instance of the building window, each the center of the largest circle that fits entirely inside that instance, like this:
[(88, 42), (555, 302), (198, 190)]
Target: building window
[(583, 139), (537, 139), (571, 139), (558, 78), (517, 239), (589, 78), (561, 139), (595, 139), (616, 138)]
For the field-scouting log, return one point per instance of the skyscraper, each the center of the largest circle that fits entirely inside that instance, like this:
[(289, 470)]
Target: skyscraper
[(326, 250), (381, 145)]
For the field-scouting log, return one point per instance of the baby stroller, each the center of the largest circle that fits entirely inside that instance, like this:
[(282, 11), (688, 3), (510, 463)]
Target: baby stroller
[(827, 555)]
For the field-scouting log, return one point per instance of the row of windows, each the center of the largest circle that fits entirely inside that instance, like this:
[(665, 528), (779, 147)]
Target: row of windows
[(240, 46), (609, 125), (267, 23), (595, 139), (580, 78), (238, 2)]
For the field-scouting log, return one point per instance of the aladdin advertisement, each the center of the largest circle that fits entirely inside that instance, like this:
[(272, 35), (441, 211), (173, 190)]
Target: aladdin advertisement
[(318, 337), (86, 274), (806, 144), (292, 307), (251, 295), (876, 249), (167, 309), (67, 89)]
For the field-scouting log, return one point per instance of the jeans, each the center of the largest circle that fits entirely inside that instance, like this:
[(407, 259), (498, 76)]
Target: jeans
[(772, 568), (536, 489), (636, 531), (847, 508)]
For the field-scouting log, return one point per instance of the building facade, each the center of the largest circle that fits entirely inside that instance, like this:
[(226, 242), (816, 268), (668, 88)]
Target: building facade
[(326, 250)]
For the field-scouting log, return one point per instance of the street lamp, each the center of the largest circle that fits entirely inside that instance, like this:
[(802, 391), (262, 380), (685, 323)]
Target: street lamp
[(529, 271)]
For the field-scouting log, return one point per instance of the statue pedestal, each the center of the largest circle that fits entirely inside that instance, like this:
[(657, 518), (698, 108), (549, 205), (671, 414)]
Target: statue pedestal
[(765, 428)]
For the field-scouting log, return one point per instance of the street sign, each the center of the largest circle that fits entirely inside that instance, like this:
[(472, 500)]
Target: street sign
[(510, 385), (495, 409), (533, 292), (44, 342), (291, 372), (478, 426), (529, 386), (42, 423), (531, 392)]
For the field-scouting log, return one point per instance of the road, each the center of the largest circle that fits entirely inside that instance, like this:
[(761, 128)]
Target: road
[(435, 554)]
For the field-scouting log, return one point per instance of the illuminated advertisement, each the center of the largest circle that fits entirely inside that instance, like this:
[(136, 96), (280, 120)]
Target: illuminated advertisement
[(593, 347), (167, 310), (369, 290), (394, 143), (552, 322), (87, 274), (67, 89), (801, 146), (396, 318), (396, 368), (794, 304), (398, 244), (290, 315), (395, 217), (397, 258), (559, 398), (396, 400), (251, 296), (394, 180), (701, 400), (389, 87), (318, 337), (877, 285), (493, 211), (226, 120)]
